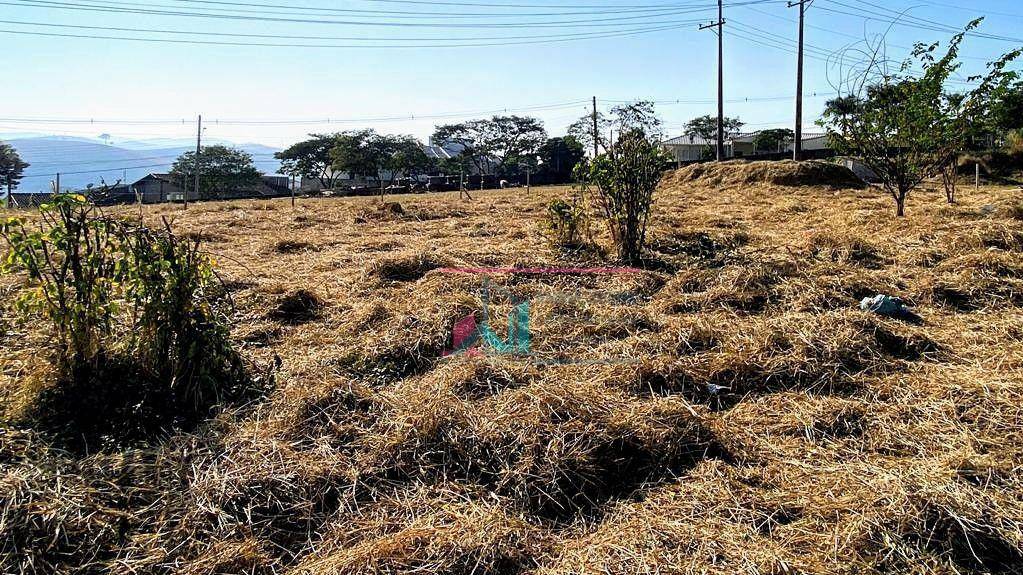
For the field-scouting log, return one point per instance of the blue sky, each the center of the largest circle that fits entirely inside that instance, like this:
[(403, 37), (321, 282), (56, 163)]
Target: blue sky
[(79, 78)]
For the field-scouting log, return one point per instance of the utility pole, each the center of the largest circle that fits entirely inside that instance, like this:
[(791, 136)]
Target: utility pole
[(720, 25), (797, 141), (56, 185), (596, 134), (198, 150)]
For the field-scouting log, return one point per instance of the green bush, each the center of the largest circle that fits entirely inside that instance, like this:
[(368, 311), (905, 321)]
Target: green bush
[(71, 258), (141, 323), (625, 178), (566, 223)]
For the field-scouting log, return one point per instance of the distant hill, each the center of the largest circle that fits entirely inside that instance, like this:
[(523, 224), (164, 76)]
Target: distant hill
[(84, 161)]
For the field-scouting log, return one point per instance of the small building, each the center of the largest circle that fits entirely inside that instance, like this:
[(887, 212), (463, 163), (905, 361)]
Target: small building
[(159, 188), (687, 149)]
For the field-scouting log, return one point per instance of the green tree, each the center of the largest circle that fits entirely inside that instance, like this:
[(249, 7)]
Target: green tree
[(706, 127), (496, 145), (582, 130), (772, 140), (559, 157), (311, 159), (639, 115), (624, 117), (903, 125), (222, 171), (357, 153), (625, 178), (12, 169), (403, 156)]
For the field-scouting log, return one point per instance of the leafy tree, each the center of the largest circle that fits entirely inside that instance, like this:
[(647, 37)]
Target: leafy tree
[(1006, 112), (633, 115), (559, 157), (402, 156), (582, 130), (498, 144), (311, 159), (625, 178), (772, 140), (904, 126), (357, 153), (706, 127), (222, 170), (12, 169), (639, 115)]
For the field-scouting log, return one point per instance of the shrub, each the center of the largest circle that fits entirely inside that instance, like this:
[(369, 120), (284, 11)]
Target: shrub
[(181, 316), (140, 322), (625, 178), (566, 224), (70, 258)]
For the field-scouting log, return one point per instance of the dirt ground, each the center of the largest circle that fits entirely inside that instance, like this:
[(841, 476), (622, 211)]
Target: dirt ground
[(726, 409)]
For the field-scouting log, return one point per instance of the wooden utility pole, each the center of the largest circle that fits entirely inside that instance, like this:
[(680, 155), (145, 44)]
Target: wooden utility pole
[(797, 137), (720, 25), (596, 134), (198, 150)]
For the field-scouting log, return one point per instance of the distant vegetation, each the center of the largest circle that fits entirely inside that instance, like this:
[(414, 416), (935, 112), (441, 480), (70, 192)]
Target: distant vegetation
[(905, 126), (223, 170), (12, 169)]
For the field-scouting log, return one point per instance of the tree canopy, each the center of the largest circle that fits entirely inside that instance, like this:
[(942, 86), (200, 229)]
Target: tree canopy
[(497, 145), (402, 156), (222, 170), (12, 169), (639, 115), (559, 156), (772, 140), (311, 159), (356, 153), (706, 127), (903, 125)]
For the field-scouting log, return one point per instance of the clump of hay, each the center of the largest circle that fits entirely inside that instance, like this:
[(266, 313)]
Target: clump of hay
[(292, 246), (843, 248), (785, 173), (380, 212), (406, 267), (299, 306)]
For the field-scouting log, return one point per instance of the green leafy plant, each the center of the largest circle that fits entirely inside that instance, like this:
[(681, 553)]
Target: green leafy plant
[(180, 317), (71, 258), (625, 179), (140, 319), (566, 224)]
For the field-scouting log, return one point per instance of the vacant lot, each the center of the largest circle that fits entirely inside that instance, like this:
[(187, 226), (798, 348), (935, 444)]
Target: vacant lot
[(728, 409)]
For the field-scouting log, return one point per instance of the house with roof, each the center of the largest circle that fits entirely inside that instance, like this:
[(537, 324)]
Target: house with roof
[(686, 148)]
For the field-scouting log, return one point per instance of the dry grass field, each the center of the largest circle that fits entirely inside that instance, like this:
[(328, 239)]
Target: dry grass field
[(727, 409)]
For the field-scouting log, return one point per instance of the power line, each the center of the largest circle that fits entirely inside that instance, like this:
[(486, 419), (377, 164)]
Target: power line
[(834, 32), (536, 38), (257, 8), (904, 20), (317, 121), (337, 46), (589, 22)]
